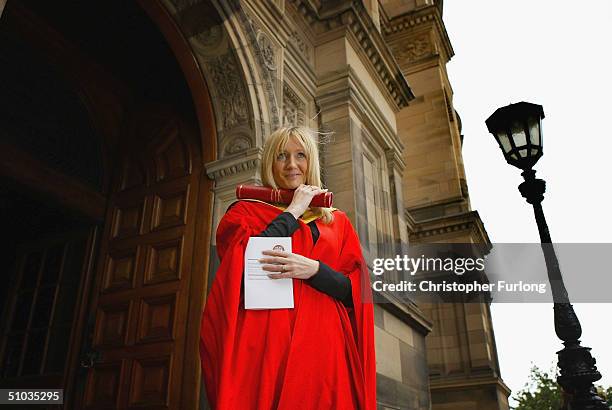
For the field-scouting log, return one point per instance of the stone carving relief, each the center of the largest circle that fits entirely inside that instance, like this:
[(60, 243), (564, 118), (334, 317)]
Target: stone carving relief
[(236, 145), (245, 96), (300, 44), (229, 90), (414, 50), (267, 50), (212, 41), (293, 107)]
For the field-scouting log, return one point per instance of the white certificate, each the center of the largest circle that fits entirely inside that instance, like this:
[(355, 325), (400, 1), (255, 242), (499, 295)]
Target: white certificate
[(261, 292)]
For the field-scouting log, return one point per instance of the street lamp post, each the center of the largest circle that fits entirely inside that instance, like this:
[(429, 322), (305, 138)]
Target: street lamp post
[(518, 131)]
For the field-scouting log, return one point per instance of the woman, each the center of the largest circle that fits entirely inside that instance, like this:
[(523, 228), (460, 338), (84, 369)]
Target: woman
[(318, 355)]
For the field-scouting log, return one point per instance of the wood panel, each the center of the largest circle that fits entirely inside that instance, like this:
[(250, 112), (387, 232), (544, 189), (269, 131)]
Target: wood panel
[(146, 267)]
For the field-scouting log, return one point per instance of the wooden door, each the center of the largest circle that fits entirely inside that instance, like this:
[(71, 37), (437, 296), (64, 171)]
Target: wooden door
[(145, 268)]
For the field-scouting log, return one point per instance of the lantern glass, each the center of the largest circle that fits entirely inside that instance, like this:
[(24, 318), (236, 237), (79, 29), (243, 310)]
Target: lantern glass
[(534, 131), (518, 134), (504, 142)]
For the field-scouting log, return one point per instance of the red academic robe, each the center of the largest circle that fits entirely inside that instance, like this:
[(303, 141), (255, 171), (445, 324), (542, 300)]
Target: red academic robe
[(318, 355)]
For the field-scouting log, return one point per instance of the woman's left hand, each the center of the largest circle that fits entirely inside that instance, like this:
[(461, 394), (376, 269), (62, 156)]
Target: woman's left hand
[(288, 265)]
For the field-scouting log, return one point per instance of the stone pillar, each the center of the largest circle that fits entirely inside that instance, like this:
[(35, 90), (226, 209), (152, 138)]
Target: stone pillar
[(363, 166), (461, 351), (462, 358), (228, 172)]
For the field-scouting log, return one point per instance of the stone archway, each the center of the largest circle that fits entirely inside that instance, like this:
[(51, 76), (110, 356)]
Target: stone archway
[(150, 279), (226, 66), (219, 48), (151, 274)]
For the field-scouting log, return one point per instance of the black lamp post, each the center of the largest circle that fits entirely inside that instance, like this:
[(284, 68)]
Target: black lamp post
[(518, 131)]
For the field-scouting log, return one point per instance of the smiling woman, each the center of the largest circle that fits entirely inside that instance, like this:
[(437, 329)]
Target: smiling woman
[(290, 159), (291, 165), (293, 157), (318, 355)]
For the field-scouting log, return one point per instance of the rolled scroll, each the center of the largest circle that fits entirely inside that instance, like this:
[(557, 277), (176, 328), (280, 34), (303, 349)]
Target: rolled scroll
[(280, 196)]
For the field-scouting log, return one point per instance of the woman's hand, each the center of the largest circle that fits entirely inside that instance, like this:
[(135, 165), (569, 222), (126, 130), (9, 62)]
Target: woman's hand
[(302, 197), (289, 265)]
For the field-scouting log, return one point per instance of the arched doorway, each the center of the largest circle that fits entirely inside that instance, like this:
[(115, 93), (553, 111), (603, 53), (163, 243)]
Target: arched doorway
[(133, 337)]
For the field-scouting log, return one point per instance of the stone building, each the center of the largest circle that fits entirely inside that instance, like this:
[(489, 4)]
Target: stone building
[(125, 127)]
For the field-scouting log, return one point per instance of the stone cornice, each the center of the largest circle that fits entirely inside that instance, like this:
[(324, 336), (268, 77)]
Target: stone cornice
[(441, 384), (395, 160), (307, 9), (345, 87), (353, 17), (407, 312), (248, 160), (431, 230), (420, 17), (410, 222)]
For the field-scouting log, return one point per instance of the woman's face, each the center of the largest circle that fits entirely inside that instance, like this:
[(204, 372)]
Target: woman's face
[(290, 165)]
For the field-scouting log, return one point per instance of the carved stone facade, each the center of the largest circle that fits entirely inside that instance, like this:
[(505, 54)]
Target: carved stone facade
[(295, 62), (414, 50), (461, 353), (229, 88), (346, 68), (267, 50), (391, 153), (293, 107)]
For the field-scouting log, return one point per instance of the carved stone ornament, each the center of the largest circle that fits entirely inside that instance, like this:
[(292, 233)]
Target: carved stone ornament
[(211, 37), (228, 87), (236, 145), (249, 161), (265, 53), (293, 107), (300, 44), (267, 50), (464, 188), (414, 50)]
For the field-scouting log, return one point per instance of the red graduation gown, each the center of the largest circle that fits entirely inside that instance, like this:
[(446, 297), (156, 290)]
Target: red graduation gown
[(318, 355)]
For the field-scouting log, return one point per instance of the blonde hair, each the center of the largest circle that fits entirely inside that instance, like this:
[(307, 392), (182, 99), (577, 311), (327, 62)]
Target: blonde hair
[(276, 143)]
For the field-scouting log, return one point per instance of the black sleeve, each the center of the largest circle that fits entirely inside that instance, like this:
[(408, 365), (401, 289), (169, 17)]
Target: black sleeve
[(332, 283), (326, 280), (283, 225)]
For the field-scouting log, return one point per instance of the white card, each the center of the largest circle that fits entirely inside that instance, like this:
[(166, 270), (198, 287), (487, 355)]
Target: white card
[(261, 292)]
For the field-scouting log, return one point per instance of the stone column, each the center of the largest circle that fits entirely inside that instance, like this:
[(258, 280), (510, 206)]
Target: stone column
[(463, 367), (243, 168), (358, 93)]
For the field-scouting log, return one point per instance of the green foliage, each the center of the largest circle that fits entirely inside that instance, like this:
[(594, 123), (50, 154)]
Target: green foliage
[(543, 393), (605, 394)]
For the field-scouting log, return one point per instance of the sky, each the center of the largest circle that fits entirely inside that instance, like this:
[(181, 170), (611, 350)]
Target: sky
[(554, 53)]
